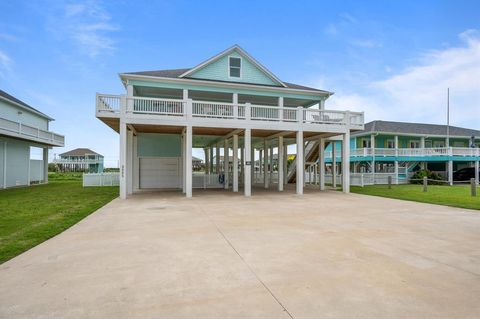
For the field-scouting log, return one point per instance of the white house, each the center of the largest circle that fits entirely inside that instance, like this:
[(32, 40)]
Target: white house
[(23, 128), (229, 101)]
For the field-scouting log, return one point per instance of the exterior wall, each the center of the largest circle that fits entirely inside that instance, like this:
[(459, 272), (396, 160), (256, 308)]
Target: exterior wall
[(17, 164), (219, 70), (11, 112), (36, 170), (2, 163), (159, 145)]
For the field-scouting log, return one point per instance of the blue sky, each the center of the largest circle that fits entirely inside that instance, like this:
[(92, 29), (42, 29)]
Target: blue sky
[(392, 59)]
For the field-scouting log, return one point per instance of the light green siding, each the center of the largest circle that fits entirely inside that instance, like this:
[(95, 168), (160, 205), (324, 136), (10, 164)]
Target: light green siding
[(159, 145), (2, 163), (219, 70), (36, 170), (18, 158), (14, 113)]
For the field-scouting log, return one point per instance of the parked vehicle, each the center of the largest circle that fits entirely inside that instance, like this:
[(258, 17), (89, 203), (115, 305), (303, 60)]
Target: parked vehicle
[(464, 174)]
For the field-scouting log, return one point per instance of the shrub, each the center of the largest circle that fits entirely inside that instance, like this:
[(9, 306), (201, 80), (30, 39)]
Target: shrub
[(417, 178)]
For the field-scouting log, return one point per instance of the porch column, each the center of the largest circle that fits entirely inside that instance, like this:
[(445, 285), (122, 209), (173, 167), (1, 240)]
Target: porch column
[(136, 170), (235, 163), (217, 157), (477, 169), (396, 145), (450, 173), (395, 163), (270, 157), (422, 142), (207, 161), (300, 163), (280, 163), (45, 164), (252, 159), (184, 163), (285, 164), (346, 162), (265, 163), (321, 163), (260, 161), (242, 158), (188, 160), (225, 162), (123, 159), (372, 146), (129, 162), (334, 164), (210, 168), (247, 169)]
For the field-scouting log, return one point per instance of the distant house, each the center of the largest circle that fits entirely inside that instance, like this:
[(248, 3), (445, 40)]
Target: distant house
[(80, 160), (197, 163), (24, 131)]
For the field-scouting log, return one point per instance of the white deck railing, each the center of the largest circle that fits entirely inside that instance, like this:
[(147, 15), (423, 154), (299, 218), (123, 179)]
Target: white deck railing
[(31, 132), (410, 152), (111, 104)]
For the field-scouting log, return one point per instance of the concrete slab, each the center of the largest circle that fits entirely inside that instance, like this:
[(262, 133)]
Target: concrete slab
[(220, 255)]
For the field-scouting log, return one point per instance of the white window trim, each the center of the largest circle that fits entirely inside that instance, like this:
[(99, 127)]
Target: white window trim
[(241, 67), (416, 141), (368, 142), (393, 142)]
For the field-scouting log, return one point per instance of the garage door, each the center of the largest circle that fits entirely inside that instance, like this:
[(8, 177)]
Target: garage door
[(160, 172)]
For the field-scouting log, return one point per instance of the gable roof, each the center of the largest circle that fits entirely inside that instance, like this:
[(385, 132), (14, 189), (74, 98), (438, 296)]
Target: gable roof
[(416, 128), (79, 152), (22, 104), (242, 52), (176, 73)]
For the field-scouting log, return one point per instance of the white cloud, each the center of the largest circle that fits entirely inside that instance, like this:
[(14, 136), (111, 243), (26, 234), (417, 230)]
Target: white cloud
[(88, 25), (419, 92), (5, 64)]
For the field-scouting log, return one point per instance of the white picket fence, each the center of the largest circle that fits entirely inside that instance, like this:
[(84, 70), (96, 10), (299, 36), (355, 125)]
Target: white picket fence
[(357, 179), (206, 181), (101, 179)]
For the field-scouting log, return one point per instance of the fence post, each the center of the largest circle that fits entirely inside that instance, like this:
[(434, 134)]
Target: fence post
[(473, 187), (361, 180), (389, 182), (425, 183)]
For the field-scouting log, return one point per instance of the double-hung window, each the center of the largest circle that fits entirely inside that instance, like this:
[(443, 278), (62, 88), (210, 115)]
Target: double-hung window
[(235, 65)]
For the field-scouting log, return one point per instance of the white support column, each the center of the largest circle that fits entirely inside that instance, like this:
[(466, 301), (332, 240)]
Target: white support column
[(270, 168), (188, 160), (235, 105), (235, 163), (395, 163), (285, 164), (242, 160), (252, 159), (217, 157), (346, 162), (396, 145), (184, 163), (300, 164), (207, 161), (136, 166), (334, 164), (129, 162), (450, 173), (280, 163), (210, 168), (372, 146), (260, 161), (265, 163), (45, 164), (422, 142), (280, 105), (129, 108), (226, 157), (123, 159), (249, 160), (321, 163), (477, 169)]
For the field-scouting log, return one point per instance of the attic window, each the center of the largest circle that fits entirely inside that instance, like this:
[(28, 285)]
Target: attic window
[(235, 66)]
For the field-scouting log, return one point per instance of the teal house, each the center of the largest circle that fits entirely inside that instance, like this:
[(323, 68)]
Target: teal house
[(229, 104), (80, 160), (398, 149), (25, 139)]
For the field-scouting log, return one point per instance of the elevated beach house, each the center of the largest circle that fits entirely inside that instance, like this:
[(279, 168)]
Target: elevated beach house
[(398, 149), (228, 104), (80, 160), (24, 131)]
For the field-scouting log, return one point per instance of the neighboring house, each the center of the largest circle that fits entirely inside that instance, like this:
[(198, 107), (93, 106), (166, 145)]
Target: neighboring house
[(80, 160), (399, 149), (229, 101), (197, 163), (23, 131)]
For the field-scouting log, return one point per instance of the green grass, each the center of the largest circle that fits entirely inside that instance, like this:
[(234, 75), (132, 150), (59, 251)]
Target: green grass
[(456, 196), (31, 215)]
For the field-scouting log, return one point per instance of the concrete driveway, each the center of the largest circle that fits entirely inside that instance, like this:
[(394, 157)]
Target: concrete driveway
[(220, 255)]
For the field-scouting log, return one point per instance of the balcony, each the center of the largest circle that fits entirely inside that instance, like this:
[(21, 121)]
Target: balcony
[(411, 152), (110, 106), (31, 133)]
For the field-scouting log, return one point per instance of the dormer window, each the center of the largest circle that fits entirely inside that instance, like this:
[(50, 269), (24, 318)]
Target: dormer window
[(235, 65)]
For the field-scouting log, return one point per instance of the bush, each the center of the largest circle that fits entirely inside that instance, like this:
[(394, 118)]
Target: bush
[(417, 178)]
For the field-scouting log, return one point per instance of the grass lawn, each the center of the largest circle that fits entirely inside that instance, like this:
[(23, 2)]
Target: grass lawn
[(31, 215), (457, 196)]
